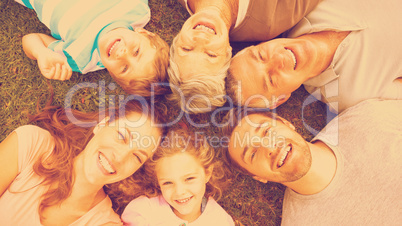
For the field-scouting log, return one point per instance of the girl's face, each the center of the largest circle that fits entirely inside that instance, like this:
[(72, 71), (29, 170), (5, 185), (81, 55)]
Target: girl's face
[(118, 149), (182, 180)]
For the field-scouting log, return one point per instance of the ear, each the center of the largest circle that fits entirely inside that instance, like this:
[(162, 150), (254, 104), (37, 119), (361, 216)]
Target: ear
[(286, 122), (260, 179), (143, 31), (208, 173), (280, 100), (101, 124)]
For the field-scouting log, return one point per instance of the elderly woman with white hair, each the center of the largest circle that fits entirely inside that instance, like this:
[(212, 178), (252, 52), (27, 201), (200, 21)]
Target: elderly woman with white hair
[(200, 53)]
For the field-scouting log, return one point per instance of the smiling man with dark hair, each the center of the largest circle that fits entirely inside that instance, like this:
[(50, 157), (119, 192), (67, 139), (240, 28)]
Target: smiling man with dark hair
[(349, 174)]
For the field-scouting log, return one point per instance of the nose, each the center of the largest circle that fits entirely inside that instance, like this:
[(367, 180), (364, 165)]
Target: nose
[(200, 38), (122, 153), (179, 189), (121, 52), (268, 145), (275, 61), (268, 151)]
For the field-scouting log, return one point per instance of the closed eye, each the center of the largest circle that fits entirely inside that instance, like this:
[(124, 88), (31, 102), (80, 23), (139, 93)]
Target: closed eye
[(136, 52), (270, 79), (121, 136), (186, 49), (167, 183), (190, 178), (138, 158), (252, 155), (267, 131), (213, 55), (260, 56), (124, 69)]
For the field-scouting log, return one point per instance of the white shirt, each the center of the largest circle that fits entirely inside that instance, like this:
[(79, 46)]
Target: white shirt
[(369, 59)]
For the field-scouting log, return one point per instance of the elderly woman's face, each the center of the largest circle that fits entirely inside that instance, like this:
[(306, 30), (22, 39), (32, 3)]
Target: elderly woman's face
[(202, 46), (119, 148)]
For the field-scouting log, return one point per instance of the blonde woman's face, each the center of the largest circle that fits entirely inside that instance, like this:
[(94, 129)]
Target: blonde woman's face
[(182, 180), (119, 148), (202, 45)]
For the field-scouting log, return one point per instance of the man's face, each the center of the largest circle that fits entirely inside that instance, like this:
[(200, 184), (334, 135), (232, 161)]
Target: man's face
[(269, 149), (273, 70), (127, 54), (202, 45)]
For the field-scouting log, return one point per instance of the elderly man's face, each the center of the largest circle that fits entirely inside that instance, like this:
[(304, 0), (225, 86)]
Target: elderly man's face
[(269, 149), (273, 70), (202, 45)]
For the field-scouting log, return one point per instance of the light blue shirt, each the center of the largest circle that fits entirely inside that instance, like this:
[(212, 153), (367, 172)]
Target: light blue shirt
[(77, 24)]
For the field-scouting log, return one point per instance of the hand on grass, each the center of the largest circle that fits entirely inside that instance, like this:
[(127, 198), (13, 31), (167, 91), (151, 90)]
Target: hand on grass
[(54, 66)]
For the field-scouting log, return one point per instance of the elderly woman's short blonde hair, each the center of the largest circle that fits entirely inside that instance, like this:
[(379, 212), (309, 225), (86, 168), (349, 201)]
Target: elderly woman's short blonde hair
[(202, 92)]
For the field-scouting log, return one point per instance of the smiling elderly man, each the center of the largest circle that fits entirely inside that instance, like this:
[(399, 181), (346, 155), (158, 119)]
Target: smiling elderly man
[(343, 52), (349, 174)]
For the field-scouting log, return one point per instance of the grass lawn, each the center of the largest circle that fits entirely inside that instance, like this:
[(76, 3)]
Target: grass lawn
[(22, 87)]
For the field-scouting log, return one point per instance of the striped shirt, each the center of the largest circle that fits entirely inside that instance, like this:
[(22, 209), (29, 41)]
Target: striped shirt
[(77, 24)]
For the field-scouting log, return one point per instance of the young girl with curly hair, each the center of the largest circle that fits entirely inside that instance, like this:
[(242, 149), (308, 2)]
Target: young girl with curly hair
[(185, 179)]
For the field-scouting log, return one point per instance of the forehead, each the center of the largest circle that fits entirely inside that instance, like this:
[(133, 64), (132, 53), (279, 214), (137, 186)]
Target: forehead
[(138, 122), (144, 68), (179, 164), (194, 63), (250, 74), (249, 127), (244, 62)]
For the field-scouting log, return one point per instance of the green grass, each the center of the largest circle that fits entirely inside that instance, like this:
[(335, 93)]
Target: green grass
[(22, 87)]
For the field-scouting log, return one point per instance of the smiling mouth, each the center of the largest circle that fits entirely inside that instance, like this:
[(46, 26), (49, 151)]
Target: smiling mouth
[(284, 156), (182, 201), (206, 28), (106, 164), (113, 45), (293, 57)]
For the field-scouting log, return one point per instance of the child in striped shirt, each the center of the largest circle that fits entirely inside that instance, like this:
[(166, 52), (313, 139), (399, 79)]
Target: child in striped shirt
[(89, 35)]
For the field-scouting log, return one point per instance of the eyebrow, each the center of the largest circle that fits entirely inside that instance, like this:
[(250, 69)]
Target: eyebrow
[(140, 55), (254, 57), (129, 133), (143, 153), (244, 152), (264, 85), (252, 54)]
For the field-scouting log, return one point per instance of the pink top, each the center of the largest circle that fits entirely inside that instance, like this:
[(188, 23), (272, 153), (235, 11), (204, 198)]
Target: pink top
[(156, 211), (20, 202)]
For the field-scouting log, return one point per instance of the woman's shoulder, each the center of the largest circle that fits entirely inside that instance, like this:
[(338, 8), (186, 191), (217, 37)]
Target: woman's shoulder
[(101, 214), (32, 130), (33, 137)]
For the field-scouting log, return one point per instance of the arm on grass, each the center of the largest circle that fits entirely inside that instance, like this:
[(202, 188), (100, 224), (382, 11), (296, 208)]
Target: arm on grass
[(8, 161), (51, 64)]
